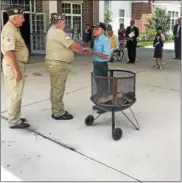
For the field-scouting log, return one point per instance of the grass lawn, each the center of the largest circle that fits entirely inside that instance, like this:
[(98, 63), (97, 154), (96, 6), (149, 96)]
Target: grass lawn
[(150, 43)]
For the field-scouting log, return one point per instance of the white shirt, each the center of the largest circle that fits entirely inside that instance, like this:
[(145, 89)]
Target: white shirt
[(162, 37)]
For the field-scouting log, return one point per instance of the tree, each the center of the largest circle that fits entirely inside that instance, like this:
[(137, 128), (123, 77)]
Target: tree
[(107, 17), (160, 18)]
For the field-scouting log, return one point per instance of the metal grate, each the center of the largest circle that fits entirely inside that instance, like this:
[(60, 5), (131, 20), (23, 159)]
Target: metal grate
[(117, 90)]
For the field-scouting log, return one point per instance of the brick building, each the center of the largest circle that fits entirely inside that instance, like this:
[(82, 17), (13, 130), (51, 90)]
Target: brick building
[(140, 11), (78, 13)]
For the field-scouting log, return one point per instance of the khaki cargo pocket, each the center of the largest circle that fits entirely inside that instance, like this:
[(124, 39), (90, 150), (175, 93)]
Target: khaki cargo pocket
[(56, 67), (8, 71)]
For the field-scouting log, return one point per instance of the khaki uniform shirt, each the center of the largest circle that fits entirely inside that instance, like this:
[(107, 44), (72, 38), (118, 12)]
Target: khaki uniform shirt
[(11, 40), (58, 46)]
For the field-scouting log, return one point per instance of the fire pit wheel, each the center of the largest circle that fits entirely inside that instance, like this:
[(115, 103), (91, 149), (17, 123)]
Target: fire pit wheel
[(117, 133), (89, 120)]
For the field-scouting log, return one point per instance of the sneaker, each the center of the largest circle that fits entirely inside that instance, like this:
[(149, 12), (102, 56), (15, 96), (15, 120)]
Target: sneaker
[(65, 116), (160, 67)]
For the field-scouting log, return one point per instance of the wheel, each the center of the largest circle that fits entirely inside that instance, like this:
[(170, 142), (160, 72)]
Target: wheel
[(117, 133), (122, 55), (89, 120)]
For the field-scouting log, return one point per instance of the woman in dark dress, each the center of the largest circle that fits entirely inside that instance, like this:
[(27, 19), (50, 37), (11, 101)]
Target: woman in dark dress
[(158, 48)]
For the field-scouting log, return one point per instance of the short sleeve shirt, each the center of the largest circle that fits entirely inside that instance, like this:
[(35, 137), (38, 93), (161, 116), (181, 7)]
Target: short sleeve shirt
[(11, 40), (58, 45), (101, 45)]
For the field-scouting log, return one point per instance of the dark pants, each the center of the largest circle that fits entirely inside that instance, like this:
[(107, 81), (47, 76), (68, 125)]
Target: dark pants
[(101, 69), (131, 46), (177, 45)]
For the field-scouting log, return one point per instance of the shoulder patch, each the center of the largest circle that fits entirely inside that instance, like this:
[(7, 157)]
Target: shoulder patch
[(8, 40)]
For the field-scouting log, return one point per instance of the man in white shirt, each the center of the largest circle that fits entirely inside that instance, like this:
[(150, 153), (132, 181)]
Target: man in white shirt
[(177, 39)]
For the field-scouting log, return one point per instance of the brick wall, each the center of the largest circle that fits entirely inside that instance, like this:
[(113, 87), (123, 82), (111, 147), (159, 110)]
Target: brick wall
[(141, 11), (39, 6), (87, 12)]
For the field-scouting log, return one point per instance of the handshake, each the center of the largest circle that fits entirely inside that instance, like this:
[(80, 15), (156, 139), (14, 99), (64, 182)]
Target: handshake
[(87, 50)]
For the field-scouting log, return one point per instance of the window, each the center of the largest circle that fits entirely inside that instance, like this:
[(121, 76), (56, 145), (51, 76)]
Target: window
[(107, 5), (66, 7), (173, 17), (121, 16), (73, 19)]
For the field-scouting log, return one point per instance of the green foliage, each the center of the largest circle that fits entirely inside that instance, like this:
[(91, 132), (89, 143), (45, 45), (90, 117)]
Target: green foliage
[(160, 18), (169, 36), (150, 34), (107, 17)]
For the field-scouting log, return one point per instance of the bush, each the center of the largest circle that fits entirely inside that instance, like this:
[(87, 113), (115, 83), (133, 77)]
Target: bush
[(143, 37), (150, 34), (169, 37)]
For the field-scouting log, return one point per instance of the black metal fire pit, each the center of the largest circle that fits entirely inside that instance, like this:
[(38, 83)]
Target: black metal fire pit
[(113, 93)]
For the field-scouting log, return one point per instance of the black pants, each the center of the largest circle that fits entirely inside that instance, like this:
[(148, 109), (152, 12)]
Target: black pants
[(101, 69), (131, 46), (177, 45)]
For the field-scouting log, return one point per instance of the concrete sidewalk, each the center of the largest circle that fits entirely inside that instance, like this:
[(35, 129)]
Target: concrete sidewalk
[(167, 46), (151, 154)]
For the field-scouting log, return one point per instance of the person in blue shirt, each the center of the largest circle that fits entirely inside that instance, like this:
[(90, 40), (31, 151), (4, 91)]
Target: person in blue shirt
[(100, 52)]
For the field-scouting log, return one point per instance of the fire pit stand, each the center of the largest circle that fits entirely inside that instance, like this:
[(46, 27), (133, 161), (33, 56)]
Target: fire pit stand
[(113, 93)]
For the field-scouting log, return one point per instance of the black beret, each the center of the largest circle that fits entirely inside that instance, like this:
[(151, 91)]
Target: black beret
[(15, 11), (57, 16), (101, 25)]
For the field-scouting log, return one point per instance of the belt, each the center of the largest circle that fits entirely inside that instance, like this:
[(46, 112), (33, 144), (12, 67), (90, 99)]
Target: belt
[(100, 62), (59, 61)]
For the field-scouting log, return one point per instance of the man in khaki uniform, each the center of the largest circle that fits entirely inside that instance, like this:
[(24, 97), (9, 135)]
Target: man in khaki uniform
[(60, 50), (16, 56)]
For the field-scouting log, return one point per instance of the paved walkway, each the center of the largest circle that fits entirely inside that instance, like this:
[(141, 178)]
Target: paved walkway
[(151, 154), (167, 46)]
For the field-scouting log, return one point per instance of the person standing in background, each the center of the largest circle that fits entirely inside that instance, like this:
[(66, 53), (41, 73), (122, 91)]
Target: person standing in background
[(177, 39), (132, 33), (87, 36), (113, 42), (121, 36), (158, 48)]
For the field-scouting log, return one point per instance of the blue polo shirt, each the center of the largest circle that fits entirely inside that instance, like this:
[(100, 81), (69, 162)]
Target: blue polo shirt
[(101, 45)]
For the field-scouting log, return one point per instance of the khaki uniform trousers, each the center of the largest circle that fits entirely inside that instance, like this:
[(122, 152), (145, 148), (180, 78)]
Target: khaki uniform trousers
[(58, 76), (14, 90)]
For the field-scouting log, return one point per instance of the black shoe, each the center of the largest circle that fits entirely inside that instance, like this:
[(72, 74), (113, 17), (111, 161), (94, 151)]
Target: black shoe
[(20, 126), (65, 112), (23, 120), (128, 62), (175, 58), (65, 116)]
